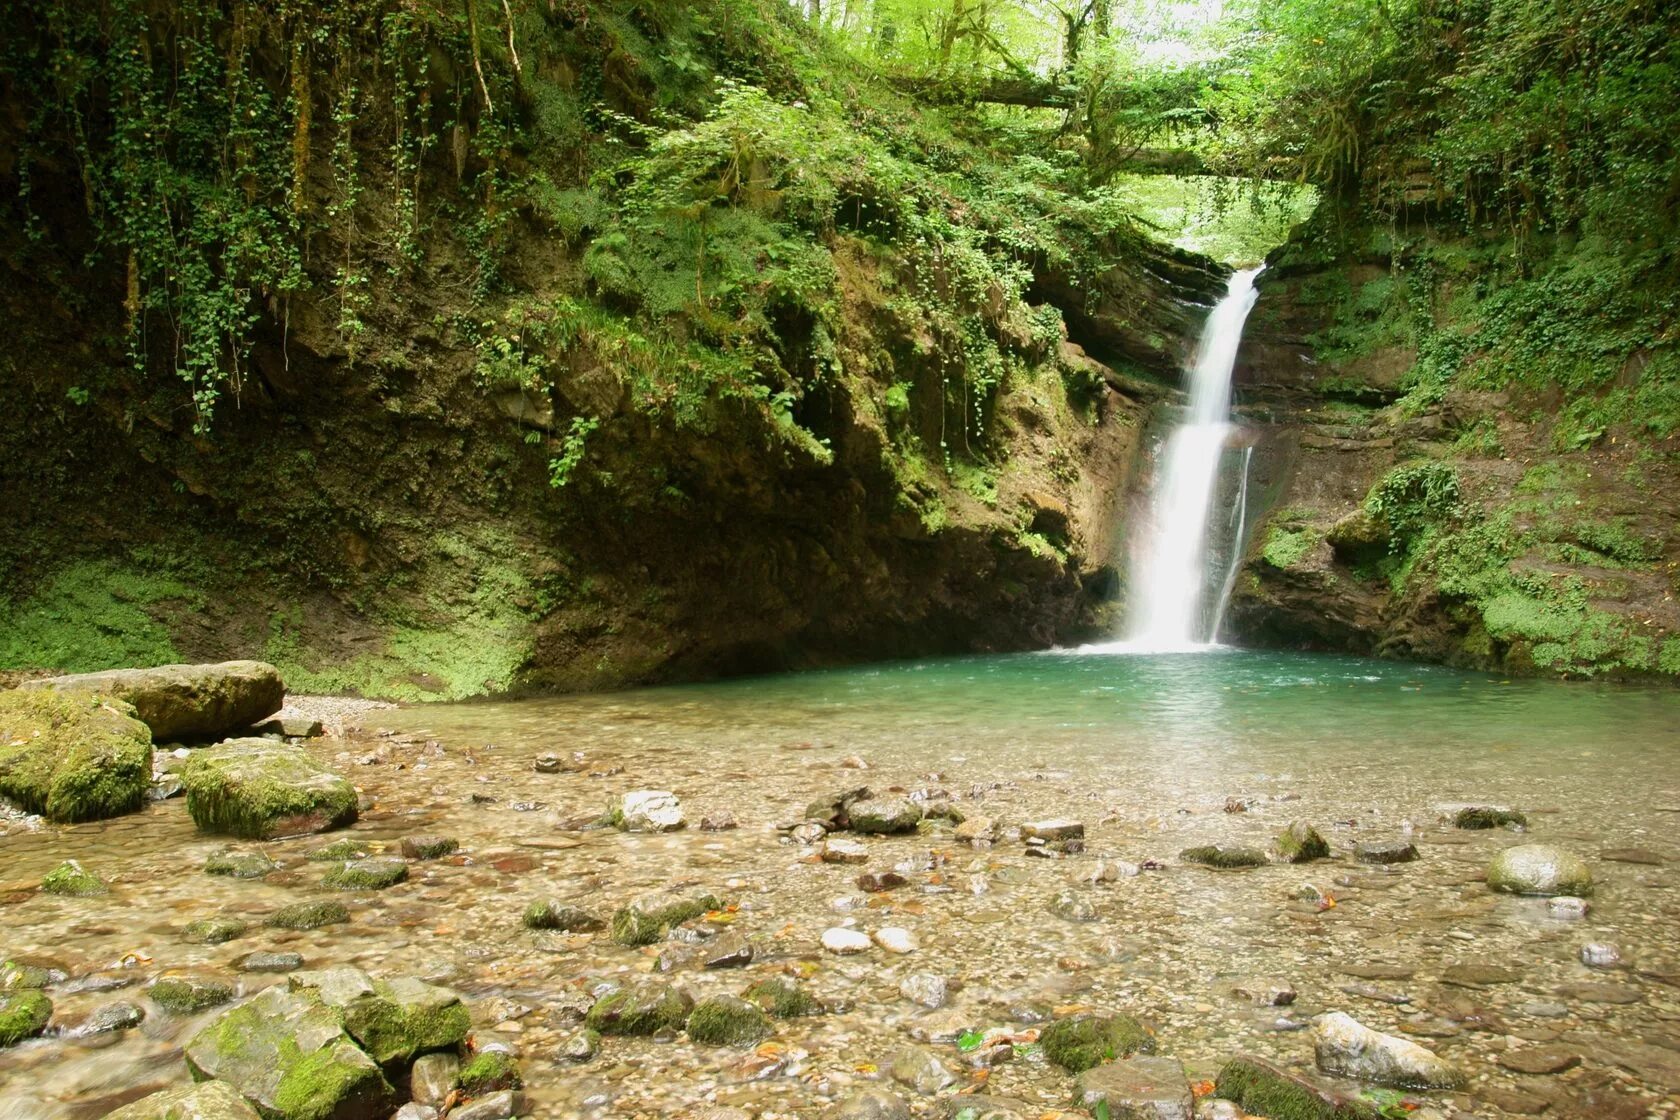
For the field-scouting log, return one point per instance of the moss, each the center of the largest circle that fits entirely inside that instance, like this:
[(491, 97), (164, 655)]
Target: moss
[(188, 995), (72, 757), (308, 915), (545, 914), (397, 1029), (727, 1021), (240, 863), (1085, 1041), (93, 615), (783, 998), (1301, 843), (429, 847), (1224, 856), (23, 1015), (1285, 548), (366, 875), (214, 931), (1483, 817), (329, 1083), (488, 1072), (347, 848), (643, 923), (70, 878), (256, 789), (1260, 1089), (651, 1010), (17, 976)]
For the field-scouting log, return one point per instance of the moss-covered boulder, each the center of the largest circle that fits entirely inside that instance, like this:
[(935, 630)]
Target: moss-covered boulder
[(208, 1100), (73, 757), (548, 914), (646, 1010), (1477, 817), (1265, 1090), (1082, 1041), (727, 1021), (650, 918), (184, 701), (258, 789), (489, 1072), (783, 998), (240, 863), (1540, 869), (345, 847), (214, 931), (1301, 843), (1224, 856), (429, 847), (372, 874), (287, 1053), (23, 1014), (17, 976), (73, 880), (187, 993), (393, 1020), (884, 815), (308, 915)]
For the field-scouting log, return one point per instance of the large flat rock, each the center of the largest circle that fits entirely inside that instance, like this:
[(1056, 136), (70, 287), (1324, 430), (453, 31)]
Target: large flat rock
[(260, 790), (186, 701)]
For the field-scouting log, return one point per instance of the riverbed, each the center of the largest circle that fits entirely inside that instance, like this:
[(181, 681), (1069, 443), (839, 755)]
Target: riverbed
[(1151, 754)]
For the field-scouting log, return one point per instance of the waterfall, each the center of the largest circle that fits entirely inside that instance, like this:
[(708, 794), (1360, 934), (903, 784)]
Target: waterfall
[(1170, 572)]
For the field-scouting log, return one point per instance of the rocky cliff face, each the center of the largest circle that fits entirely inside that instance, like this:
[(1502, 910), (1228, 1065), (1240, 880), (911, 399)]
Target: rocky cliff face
[(1465, 522)]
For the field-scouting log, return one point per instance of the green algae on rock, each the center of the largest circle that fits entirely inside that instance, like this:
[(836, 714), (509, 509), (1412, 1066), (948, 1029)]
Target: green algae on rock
[(188, 994), (23, 1014), (727, 1021), (489, 1072), (308, 915), (73, 880), (373, 874), (1484, 817), (650, 918), (1081, 1041), (781, 997), (1301, 843), (548, 914), (208, 1100), (404, 1017), (214, 931), (1265, 1090), (1224, 856), (73, 757), (644, 1010), (286, 1052), (18, 976), (1540, 869), (240, 863), (348, 847), (258, 789)]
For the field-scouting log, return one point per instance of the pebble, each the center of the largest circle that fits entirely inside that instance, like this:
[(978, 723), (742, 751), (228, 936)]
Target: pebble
[(845, 941), (838, 849), (877, 881), (1567, 907), (1538, 1060), (928, 989), (896, 940), (1600, 954)]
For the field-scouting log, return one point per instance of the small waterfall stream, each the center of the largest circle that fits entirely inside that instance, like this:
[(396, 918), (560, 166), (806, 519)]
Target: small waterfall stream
[(1171, 606)]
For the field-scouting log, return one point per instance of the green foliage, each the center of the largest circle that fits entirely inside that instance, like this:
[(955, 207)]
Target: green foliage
[(93, 615), (1284, 548), (1412, 498)]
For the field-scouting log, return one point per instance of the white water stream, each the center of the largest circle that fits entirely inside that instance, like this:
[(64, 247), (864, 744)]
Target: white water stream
[(1170, 602)]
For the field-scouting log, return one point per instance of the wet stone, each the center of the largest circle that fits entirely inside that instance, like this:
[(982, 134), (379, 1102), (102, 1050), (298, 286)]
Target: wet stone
[(1053, 830), (727, 1021), (1385, 851), (781, 997), (647, 1010), (189, 993), (548, 914), (1599, 954), (1071, 906), (19, 975), (214, 931), (579, 1047), (1348, 1048), (23, 1014), (839, 849), (1140, 1088), (112, 1017), (212, 1100), (920, 1069), (1643, 856), (871, 1104), (1538, 1060), (1481, 817), (240, 863), (896, 940), (1539, 869), (845, 941), (876, 881), (732, 950), (648, 810), (926, 989), (719, 822), (1514, 1101), (428, 847), (372, 874), (1224, 856), (262, 961), (1567, 908), (884, 815), (72, 880), (503, 1104), (1080, 1042), (1301, 843), (1478, 975), (1587, 991), (308, 915), (1265, 991), (1378, 971)]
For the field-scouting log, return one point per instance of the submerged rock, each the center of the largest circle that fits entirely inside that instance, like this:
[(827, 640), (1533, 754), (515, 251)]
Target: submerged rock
[(727, 1021), (23, 1014), (650, 918), (1540, 869), (1260, 1087), (1083, 1041), (845, 941), (111, 1018), (1347, 1048), (490, 1071), (287, 1053), (186, 993), (1071, 906), (185, 701), (308, 915), (374, 874), (1385, 851), (920, 1069), (646, 1010), (258, 789), (925, 988), (1301, 843), (1155, 1088), (214, 931), (503, 1104), (429, 847), (73, 757), (240, 863), (262, 961), (18, 976), (884, 815), (209, 1100), (832, 811), (838, 849), (548, 914), (1224, 856), (1053, 830), (579, 1046), (648, 810), (871, 1104), (347, 847), (70, 878), (1487, 816), (781, 997)]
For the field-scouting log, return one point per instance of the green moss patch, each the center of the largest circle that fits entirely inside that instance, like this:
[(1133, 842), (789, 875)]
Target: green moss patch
[(366, 875), (1265, 1090), (650, 1010), (1084, 1041), (308, 915), (73, 757), (783, 998), (1483, 817), (23, 1015), (403, 1018), (488, 1072), (1224, 856), (646, 921), (73, 880), (258, 789), (727, 1021)]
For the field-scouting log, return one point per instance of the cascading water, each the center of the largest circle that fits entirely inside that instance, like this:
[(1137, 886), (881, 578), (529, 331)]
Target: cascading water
[(1170, 577)]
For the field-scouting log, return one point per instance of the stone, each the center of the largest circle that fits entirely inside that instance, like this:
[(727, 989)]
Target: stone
[(1385, 851), (985, 1106), (1358, 537), (240, 863), (548, 914), (1599, 954), (414, 1110), (73, 757), (838, 849), (1057, 829), (308, 915), (187, 993), (185, 701), (1478, 975), (23, 1014), (372, 874), (1539, 869), (286, 1053), (648, 810), (832, 810), (258, 789), (884, 815), (73, 880), (433, 1077), (402, 1017), (429, 847), (1301, 843), (269, 962), (490, 1071), (344, 848), (1267, 1090), (549, 763), (209, 1100), (19, 975), (921, 1070), (1140, 1088), (648, 1009), (1224, 856), (1487, 816), (1539, 1060), (1082, 1041), (1567, 908), (927, 989), (648, 919), (781, 997), (1585, 991), (977, 830), (1071, 906), (870, 1104), (111, 1018), (719, 822), (896, 940), (807, 833), (214, 931), (732, 950), (875, 882), (1265, 991), (1345, 1047), (727, 1021), (504, 1104), (1643, 856), (579, 1046), (845, 941)]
